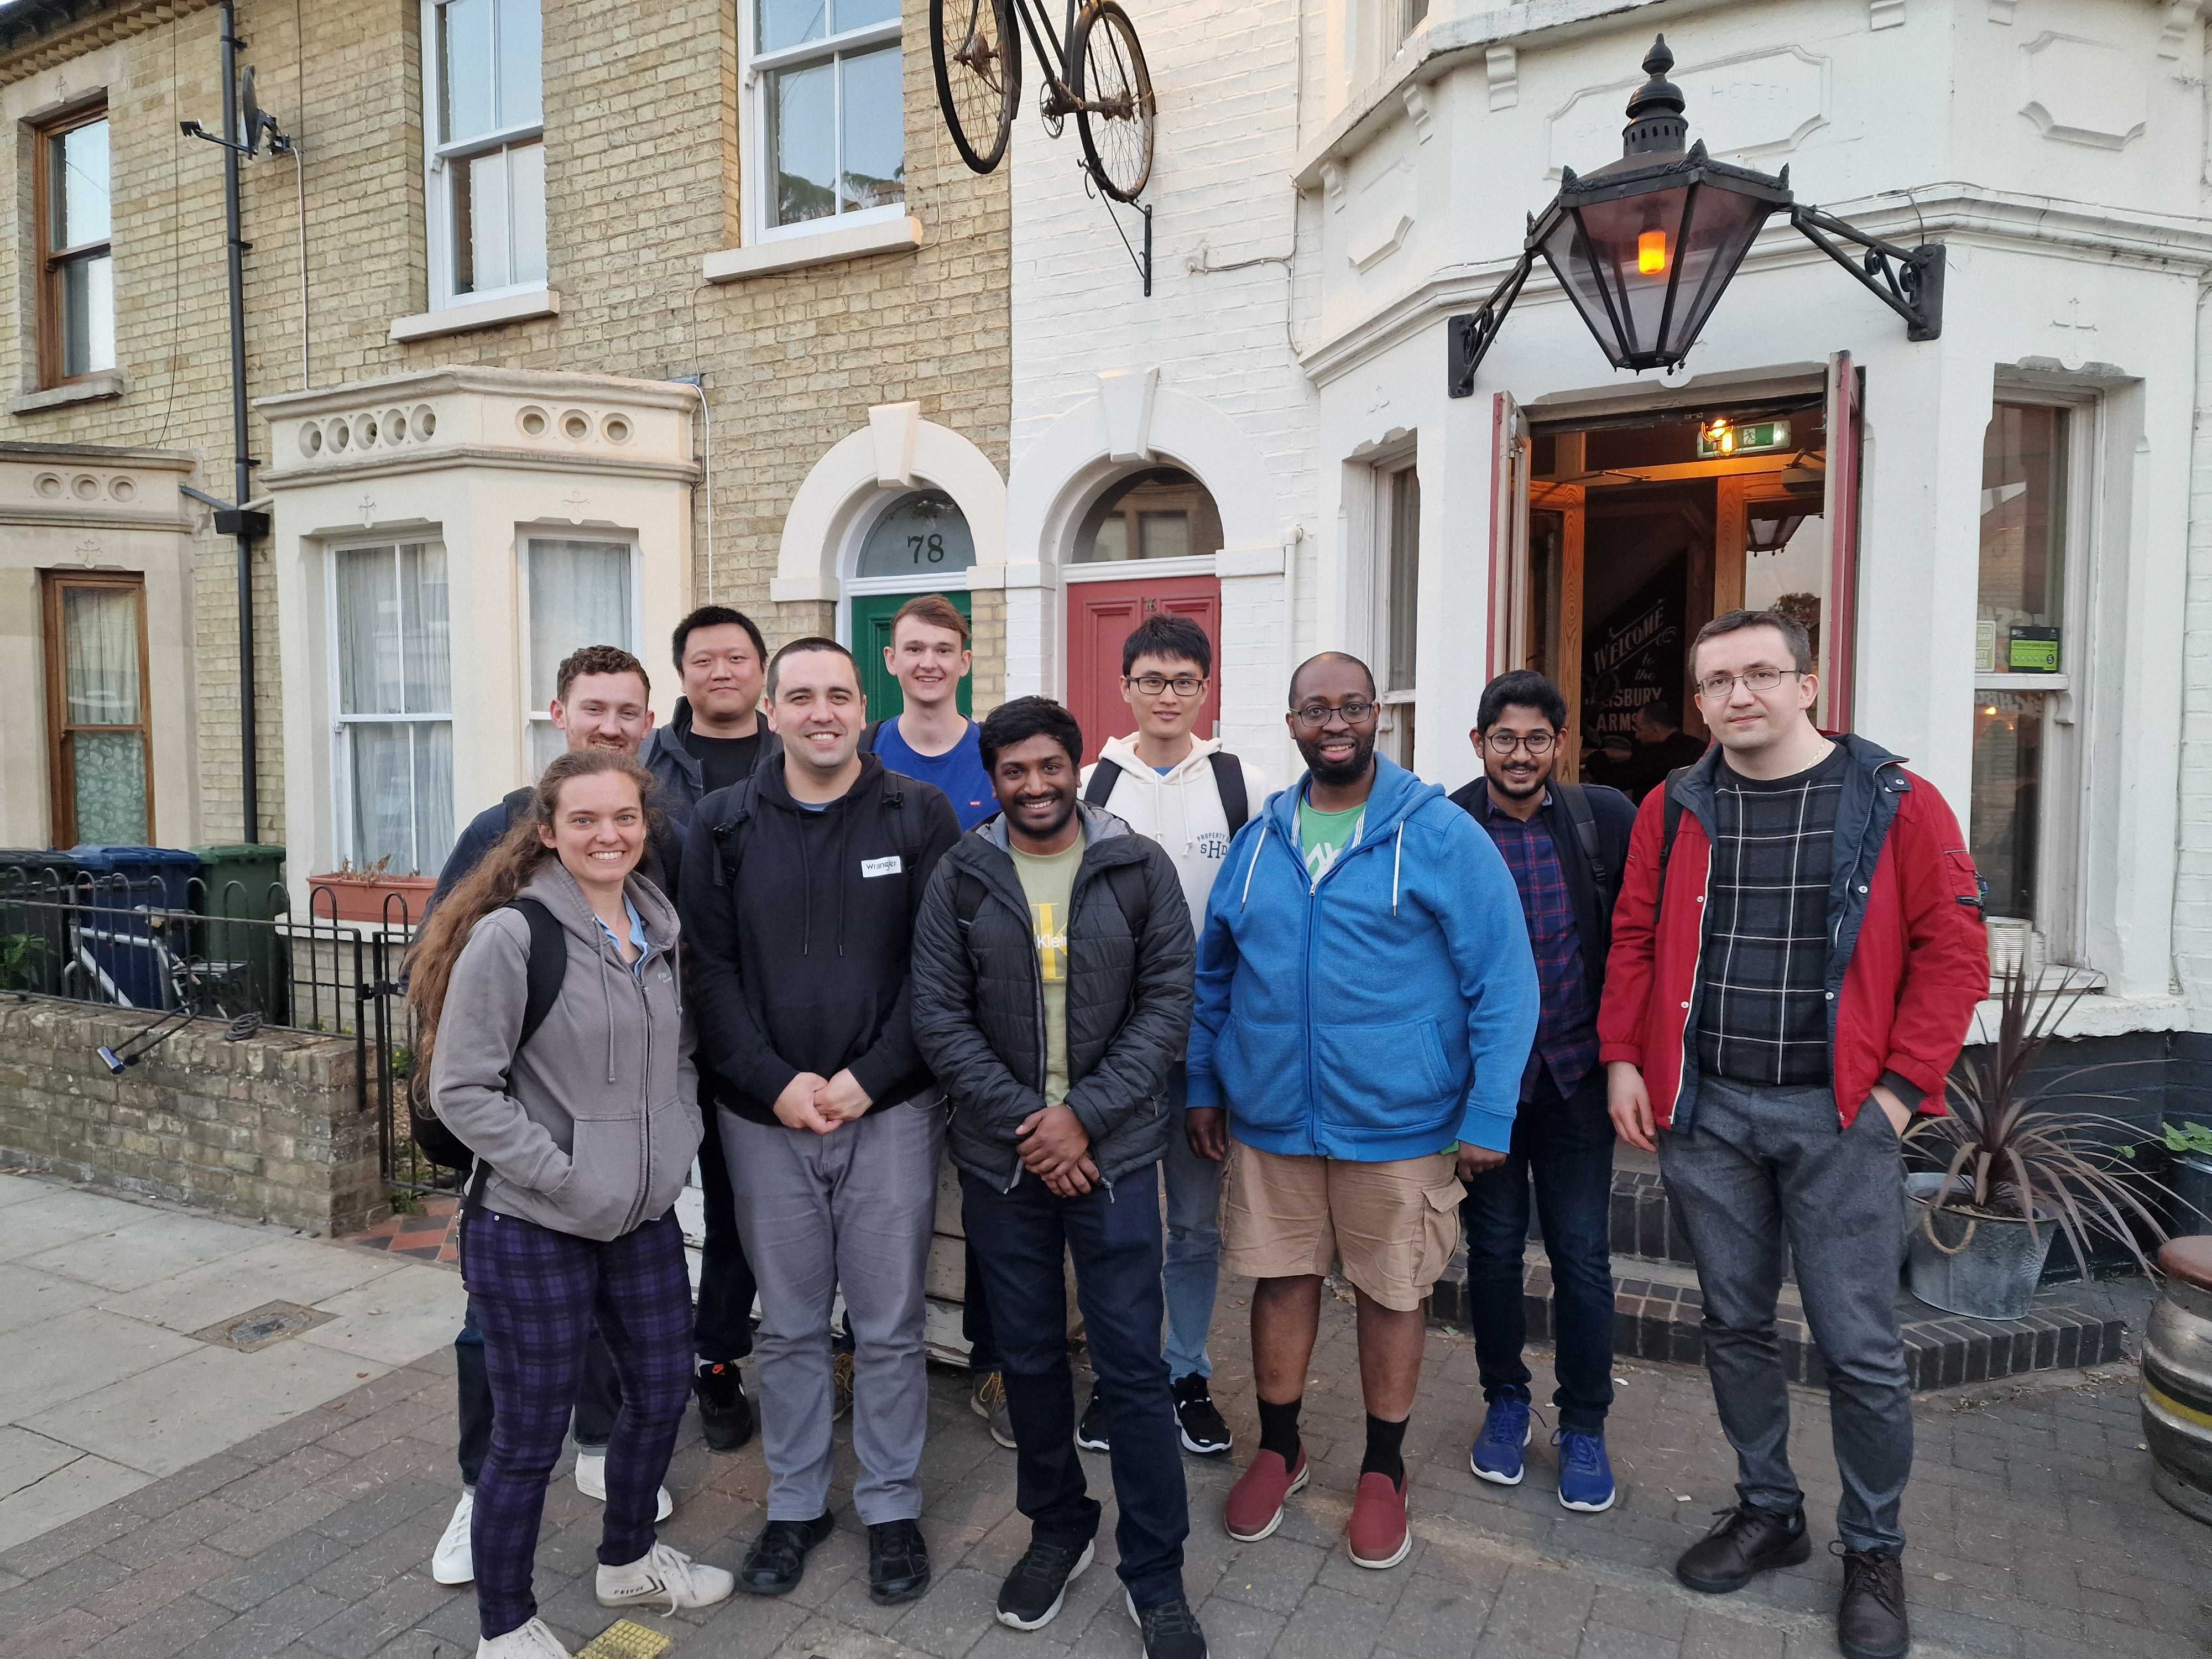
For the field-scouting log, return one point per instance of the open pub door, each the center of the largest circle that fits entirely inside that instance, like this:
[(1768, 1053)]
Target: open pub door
[(1838, 642), (1508, 621)]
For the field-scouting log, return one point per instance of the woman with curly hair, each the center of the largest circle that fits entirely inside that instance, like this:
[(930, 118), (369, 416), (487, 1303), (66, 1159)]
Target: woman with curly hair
[(585, 1128)]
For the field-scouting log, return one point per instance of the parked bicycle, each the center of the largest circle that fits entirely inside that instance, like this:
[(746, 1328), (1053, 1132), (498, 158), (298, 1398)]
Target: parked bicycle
[(1095, 70)]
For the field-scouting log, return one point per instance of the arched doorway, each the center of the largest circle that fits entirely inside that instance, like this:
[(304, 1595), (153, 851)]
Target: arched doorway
[(917, 541)]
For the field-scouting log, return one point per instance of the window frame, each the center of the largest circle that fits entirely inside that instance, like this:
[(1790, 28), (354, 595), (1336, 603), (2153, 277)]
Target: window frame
[(61, 766), (1397, 730), (2059, 929), (442, 156), (53, 262), (342, 829), (755, 189), (525, 536)]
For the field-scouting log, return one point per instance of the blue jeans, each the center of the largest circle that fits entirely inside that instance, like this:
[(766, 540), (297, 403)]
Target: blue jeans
[(1113, 1235), (1564, 1147), (1193, 1269)]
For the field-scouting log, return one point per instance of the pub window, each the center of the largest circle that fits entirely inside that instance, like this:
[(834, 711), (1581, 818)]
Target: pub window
[(76, 273), (1397, 606), (486, 157), (394, 704), (100, 744)]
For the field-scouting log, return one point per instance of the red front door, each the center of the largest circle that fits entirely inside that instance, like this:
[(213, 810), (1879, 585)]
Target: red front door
[(1100, 616)]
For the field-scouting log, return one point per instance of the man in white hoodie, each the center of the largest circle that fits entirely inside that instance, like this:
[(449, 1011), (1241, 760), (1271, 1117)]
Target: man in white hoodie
[(1191, 796)]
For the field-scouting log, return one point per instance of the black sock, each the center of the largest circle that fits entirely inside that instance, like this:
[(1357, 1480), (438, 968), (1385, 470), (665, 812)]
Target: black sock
[(1383, 1441), (1278, 1430)]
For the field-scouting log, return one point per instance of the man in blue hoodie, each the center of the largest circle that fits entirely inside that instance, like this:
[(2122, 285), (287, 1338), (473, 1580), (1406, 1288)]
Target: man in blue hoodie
[(1366, 999)]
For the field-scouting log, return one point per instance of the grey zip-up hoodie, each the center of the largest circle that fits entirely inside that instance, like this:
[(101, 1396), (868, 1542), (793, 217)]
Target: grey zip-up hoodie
[(591, 1129)]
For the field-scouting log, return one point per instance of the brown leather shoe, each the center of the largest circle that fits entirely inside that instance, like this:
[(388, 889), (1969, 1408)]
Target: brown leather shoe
[(1870, 1622), (1255, 1501), (1743, 1543)]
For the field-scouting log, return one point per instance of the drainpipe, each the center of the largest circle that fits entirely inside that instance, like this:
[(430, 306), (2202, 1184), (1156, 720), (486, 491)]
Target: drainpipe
[(242, 461)]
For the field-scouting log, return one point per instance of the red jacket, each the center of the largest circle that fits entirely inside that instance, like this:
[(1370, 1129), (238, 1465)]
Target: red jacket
[(1908, 958)]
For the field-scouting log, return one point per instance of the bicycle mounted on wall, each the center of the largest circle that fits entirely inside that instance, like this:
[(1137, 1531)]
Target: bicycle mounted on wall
[(1094, 70)]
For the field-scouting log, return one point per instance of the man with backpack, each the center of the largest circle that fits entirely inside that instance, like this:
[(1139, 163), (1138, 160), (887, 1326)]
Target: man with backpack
[(798, 908), (1051, 997), (1565, 845), (1797, 953), (1191, 796)]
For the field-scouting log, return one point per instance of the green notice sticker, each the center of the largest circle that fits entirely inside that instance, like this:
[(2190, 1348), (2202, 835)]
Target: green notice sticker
[(2033, 651)]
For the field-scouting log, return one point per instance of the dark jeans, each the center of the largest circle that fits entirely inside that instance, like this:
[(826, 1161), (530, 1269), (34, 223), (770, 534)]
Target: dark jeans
[(1757, 1168), (975, 1312), (1114, 1234), (538, 1293), (1565, 1148), (598, 1396), (724, 1329)]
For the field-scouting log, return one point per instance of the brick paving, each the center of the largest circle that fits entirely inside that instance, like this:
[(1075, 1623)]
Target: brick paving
[(2035, 1534)]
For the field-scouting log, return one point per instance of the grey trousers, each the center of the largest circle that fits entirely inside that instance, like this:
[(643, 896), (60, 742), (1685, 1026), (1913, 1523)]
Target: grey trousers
[(851, 1208), (1756, 1166)]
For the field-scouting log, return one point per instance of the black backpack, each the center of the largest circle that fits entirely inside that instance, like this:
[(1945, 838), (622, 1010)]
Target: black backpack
[(1228, 778), (1576, 804)]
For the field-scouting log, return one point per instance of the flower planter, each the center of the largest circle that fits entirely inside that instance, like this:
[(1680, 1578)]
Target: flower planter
[(2191, 1181), (1983, 1266), (398, 900)]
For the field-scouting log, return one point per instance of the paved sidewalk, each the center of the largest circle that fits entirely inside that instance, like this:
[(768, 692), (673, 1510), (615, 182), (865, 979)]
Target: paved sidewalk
[(122, 1362)]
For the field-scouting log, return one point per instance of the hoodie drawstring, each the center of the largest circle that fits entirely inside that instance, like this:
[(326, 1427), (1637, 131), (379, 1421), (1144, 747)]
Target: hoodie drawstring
[(1252, 865), (1397, 860), (607, 997)]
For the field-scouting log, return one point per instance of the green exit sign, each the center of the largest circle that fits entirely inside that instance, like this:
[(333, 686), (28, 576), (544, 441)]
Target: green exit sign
[(1720, 440)]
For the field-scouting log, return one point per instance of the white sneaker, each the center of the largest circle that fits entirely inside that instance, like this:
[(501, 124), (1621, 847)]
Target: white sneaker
[(530, 1641), (665, 1573), (452, 1562), (592, 1481)]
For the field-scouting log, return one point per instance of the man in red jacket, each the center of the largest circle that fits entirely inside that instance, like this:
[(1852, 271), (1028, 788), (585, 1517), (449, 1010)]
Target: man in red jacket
[(1797, 950)]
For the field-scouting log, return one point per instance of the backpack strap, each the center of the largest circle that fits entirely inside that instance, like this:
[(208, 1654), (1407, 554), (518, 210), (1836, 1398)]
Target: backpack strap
[(868, 743), (1575, 802), (1127, 883), (729, 835), (1670, 818), (1103, 777), (545, 970), (1228, 779)]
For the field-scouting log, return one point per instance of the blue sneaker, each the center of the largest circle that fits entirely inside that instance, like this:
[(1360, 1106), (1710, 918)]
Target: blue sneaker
[(1496, 1455), (1585, 1475)]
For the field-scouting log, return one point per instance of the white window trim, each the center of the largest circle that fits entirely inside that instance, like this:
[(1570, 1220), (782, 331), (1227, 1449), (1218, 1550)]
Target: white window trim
[(437, 204), (341, 841), (754, 191), (524, 535), (1381, 557)]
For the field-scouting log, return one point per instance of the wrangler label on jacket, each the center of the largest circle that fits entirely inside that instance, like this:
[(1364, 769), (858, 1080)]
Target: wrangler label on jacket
[(882, 867)]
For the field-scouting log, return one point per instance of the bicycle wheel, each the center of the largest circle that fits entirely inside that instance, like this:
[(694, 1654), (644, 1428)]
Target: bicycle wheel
[(978, 59), (1113, 104)]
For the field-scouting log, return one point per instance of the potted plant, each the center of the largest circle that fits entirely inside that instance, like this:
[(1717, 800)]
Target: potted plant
[(2189, 1156), (2020, 1163), (371, 894)]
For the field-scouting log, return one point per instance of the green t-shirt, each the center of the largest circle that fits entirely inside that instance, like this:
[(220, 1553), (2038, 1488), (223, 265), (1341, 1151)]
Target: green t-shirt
[(1048, 883), (1323, 837)]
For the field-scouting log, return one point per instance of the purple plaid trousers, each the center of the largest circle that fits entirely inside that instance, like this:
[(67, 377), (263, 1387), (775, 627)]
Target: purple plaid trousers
[(536, 1292)]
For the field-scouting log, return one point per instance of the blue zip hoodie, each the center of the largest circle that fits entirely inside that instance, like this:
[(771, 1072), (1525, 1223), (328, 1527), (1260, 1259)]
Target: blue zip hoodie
[(1382, 1012)]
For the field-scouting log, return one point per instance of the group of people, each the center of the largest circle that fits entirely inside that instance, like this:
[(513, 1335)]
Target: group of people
[(1342, 1021)]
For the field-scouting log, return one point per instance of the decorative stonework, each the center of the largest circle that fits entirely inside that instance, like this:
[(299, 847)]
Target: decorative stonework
[(1502, 65), (1759, 103), (2083, 91)]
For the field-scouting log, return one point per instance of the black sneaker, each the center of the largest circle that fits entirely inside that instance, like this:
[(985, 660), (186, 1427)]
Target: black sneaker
[(899, 1563), (777, 1560), (1034, 1590), (1091, 1433), (1743, 1543), (1203, 1430), (1870, 1621), (725, 1414), (1170, 1629)]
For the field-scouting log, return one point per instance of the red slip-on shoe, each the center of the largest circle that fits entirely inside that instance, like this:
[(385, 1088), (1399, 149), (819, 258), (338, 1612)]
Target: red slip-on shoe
[(1378, 1537), (1255, 1501)]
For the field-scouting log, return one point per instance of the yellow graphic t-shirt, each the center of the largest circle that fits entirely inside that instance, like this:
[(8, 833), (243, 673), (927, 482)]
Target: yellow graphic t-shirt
[(1047, 883)]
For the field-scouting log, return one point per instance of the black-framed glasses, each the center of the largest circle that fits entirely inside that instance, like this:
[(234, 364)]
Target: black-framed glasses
[(1353, 711), (1714, 687), (1503, 744), (1183, 685)]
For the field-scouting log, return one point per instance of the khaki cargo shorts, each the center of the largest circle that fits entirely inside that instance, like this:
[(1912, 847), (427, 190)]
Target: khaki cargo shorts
[(1392, 1226)]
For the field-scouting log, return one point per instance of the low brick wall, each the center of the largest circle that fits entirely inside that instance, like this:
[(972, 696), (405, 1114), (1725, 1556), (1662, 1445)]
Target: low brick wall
[(271, 1128)]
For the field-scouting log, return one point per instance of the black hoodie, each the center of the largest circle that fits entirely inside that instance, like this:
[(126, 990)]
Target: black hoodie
[(798, 928)]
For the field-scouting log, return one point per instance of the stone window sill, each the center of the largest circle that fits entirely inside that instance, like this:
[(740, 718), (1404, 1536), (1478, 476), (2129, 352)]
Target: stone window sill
[(736, 264), (108, 383), (483, 313)]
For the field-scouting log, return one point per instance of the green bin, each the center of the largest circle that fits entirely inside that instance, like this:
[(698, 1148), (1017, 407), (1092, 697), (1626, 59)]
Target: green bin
[(242, 885)]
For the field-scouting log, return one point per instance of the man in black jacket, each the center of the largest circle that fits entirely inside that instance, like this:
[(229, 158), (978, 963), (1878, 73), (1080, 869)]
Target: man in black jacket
[(1565, 845), (798, 910), (1052, 995)]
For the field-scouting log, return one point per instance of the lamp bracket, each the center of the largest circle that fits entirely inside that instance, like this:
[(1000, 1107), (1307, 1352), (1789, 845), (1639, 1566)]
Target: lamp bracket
[(1469, 334), (1908, 280)]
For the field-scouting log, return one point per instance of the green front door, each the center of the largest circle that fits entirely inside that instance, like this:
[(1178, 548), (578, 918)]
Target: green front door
[(871, 634)]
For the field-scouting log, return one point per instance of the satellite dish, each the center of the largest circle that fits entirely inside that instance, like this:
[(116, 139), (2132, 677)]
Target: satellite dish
[(251, 115)]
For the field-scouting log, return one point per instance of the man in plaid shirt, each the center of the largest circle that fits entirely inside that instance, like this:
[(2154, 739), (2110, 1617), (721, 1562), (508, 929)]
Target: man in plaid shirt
[(1797, 952)]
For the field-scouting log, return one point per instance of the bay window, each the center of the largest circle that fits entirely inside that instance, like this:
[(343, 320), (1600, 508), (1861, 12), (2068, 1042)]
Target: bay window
[(394, 706), (579, 593)]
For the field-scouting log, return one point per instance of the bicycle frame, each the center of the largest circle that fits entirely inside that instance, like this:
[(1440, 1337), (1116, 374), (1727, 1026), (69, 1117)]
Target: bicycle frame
[(1038, 27)]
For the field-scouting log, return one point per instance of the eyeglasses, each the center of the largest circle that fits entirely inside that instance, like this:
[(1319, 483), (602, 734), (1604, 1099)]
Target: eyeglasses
[(1183, 685), (1536, 743), (1354, 711), (1714, 687)]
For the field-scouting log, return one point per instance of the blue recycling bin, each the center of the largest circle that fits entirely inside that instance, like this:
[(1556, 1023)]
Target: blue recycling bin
[(122, 954)]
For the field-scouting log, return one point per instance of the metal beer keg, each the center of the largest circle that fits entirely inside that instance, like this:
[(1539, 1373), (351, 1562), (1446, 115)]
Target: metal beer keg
[(2177, 1378)]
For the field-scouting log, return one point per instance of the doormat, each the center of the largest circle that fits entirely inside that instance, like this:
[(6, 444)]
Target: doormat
[(625, 1639), (255, 1329)]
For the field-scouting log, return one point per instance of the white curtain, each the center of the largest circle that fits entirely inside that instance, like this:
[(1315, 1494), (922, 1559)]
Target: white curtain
[(579, 596), (100, 652), (395, 658)]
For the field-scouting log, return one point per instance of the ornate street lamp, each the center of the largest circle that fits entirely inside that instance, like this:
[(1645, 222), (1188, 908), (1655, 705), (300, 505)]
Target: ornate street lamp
[(1645, 245)]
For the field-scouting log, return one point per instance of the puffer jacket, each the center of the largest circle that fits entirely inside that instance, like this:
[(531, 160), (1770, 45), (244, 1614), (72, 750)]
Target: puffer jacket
[(979, 999), (589, 1129)]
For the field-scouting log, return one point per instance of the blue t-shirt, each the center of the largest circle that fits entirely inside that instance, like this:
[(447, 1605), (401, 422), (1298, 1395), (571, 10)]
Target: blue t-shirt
[(958, 771)]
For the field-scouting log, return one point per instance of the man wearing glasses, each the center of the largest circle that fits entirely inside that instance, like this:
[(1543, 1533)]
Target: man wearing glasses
[(1797, 952), (1190, 795), (1565, 845), (1365, 1001)]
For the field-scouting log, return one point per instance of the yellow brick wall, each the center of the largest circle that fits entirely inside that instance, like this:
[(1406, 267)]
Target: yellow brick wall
[(642, 139)]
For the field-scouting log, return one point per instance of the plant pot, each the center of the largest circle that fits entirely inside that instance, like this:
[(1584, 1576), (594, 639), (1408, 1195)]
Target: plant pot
[(1983, 1266), (2191, 1181), (398, 900)]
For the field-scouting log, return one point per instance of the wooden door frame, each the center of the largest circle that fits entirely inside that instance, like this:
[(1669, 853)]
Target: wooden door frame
[(61, 764)]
